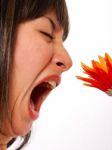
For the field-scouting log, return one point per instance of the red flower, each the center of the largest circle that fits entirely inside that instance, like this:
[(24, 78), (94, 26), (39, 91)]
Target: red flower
[(99, 75)]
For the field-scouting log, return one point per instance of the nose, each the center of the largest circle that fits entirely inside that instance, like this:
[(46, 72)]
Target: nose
[(61, 59)]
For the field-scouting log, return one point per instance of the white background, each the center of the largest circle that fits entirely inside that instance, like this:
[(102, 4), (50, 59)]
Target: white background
[(75, 117)]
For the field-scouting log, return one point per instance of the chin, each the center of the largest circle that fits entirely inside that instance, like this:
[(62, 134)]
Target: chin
[(21, 130)]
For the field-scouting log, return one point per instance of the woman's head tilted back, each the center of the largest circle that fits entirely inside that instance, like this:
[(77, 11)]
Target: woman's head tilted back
[(31, 54)]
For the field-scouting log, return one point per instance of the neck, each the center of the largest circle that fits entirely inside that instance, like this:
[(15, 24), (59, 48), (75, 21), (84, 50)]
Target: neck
[(4, 141), (3, 147)]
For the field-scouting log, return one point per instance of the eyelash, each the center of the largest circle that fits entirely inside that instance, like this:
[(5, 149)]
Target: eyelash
[(47, 34)]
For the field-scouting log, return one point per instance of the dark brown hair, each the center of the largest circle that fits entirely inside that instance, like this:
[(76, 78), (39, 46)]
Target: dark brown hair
[(13, 12)]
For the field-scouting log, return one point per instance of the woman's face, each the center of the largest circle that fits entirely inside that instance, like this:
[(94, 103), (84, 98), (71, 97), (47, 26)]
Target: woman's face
[(39, 59)]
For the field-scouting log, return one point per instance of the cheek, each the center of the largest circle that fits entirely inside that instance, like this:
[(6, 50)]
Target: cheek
[(32, 57), (29, 60)]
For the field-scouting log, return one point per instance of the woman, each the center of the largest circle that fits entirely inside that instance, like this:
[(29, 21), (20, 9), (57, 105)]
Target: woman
[(32, 59)]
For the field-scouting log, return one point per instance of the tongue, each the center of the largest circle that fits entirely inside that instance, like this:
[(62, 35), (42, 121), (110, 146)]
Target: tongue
[(33, 112), (38, 95), (32, 105)]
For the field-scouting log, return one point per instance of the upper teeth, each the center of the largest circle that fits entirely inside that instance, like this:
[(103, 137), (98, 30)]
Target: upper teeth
[(52, 83)]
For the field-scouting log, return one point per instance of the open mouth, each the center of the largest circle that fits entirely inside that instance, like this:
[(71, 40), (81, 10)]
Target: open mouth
[(39, 93)]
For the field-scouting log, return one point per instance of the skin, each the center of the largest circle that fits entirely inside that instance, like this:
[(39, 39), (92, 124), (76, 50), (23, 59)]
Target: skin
[(35, 57)]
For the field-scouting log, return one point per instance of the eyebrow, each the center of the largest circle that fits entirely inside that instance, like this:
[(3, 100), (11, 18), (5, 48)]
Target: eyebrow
[(52, 22)]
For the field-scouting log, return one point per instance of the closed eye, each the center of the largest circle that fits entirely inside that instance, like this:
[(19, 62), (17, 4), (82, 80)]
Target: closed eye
[(47, 34)]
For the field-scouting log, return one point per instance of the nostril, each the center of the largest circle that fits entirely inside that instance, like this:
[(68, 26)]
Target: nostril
[(60, 64)]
